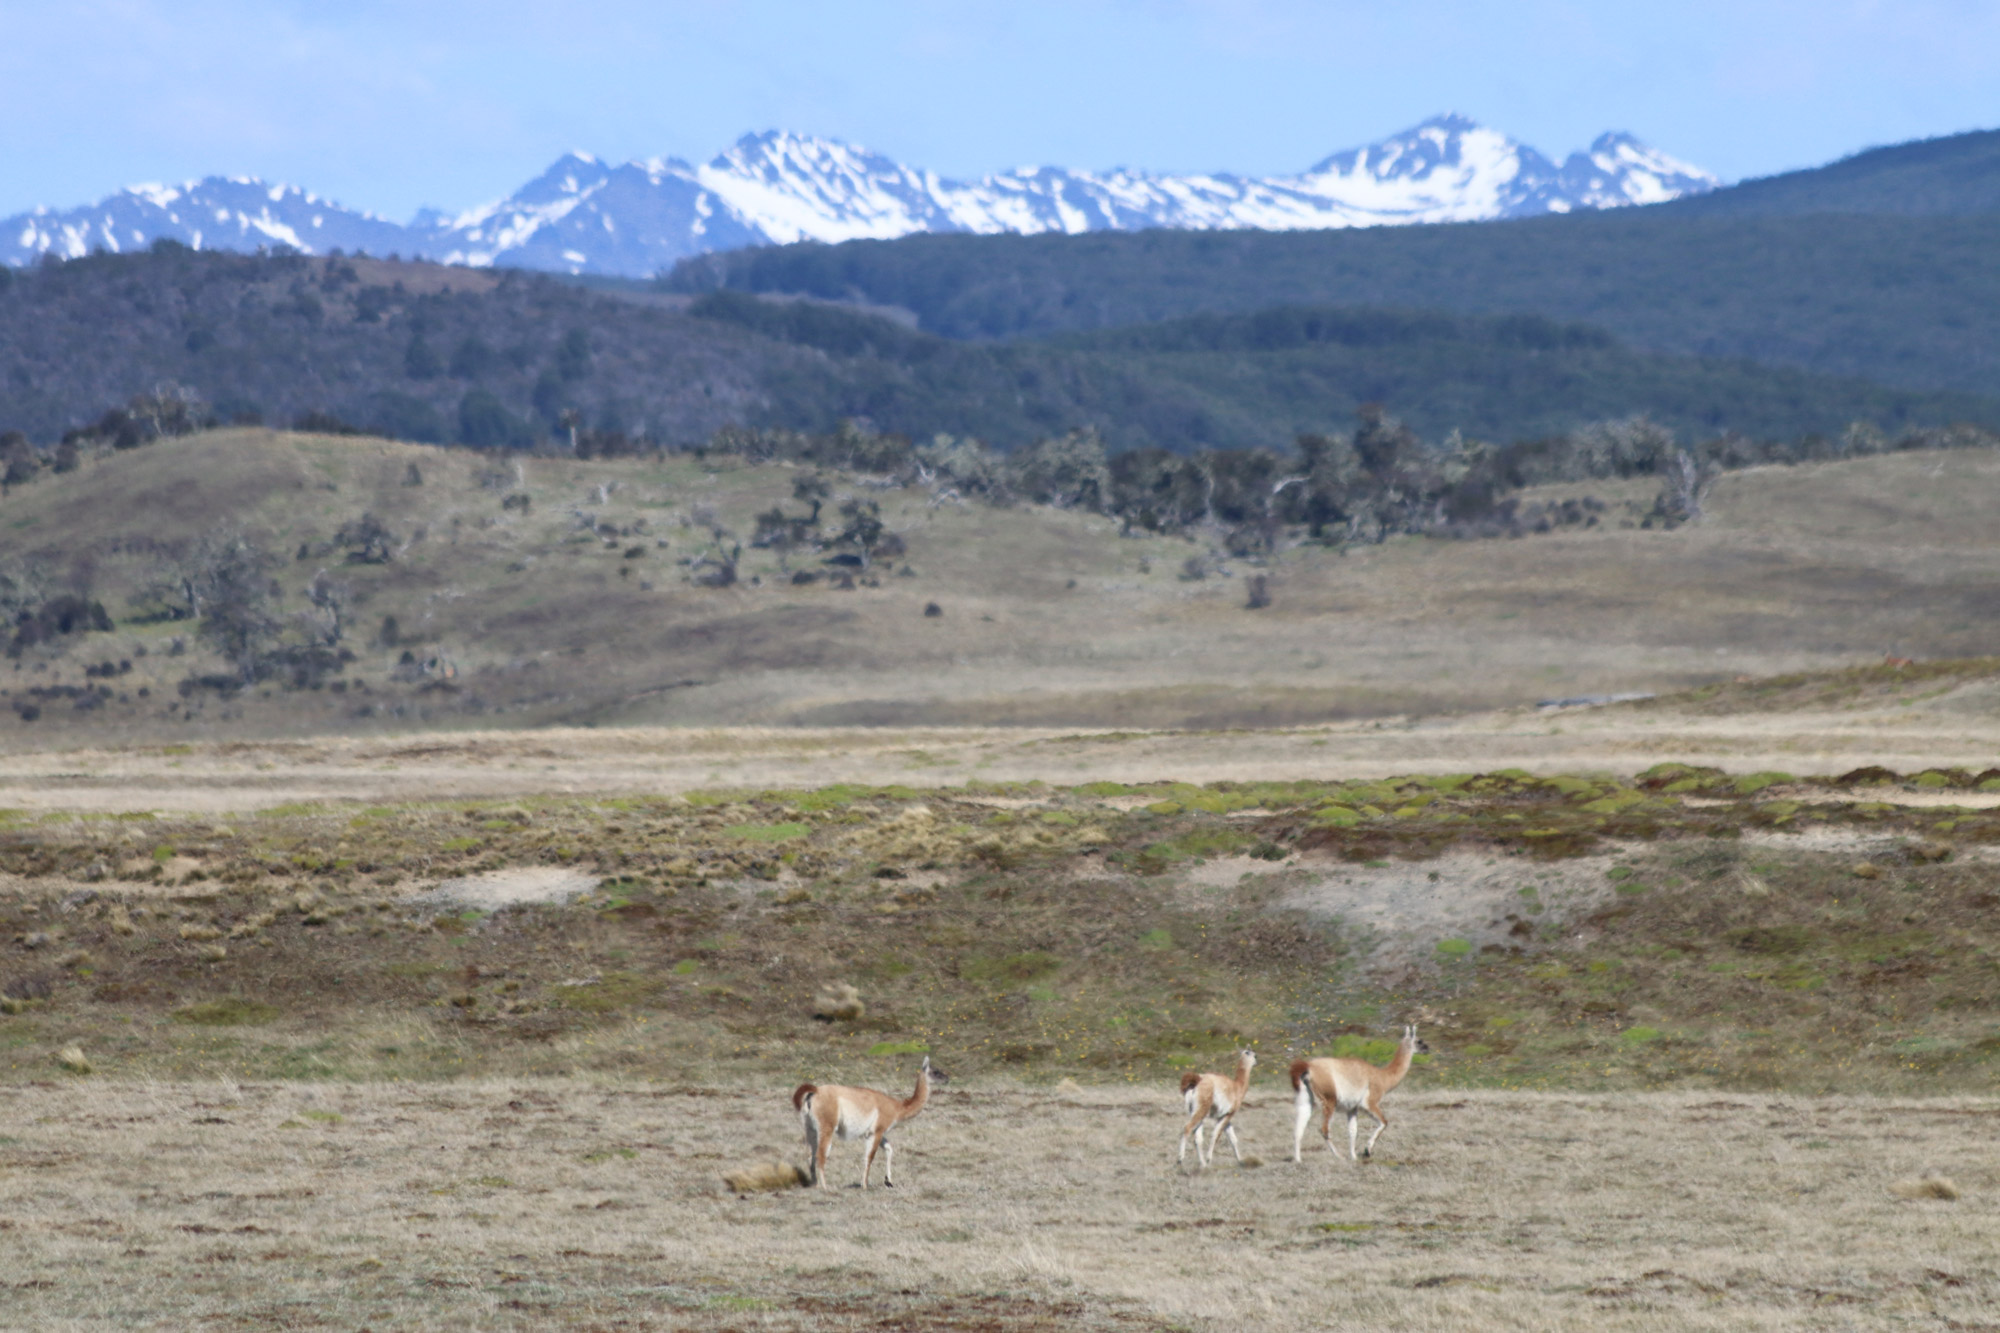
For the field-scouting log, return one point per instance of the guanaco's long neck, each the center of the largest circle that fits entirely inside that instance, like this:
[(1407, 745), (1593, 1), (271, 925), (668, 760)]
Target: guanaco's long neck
[(1393, 1072), (920, 1096), (1242, 1079)]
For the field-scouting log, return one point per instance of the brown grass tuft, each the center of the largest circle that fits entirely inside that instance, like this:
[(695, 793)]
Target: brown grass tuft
[(838, 1002), (1925, 1187), (200, 930), (74, 1060)]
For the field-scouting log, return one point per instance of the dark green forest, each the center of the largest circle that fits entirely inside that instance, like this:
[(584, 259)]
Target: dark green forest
[(510, 359), (1955, 174), (1910, 302)]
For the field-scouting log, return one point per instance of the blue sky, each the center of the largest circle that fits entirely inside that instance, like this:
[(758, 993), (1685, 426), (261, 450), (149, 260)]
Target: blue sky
[(387, 106)]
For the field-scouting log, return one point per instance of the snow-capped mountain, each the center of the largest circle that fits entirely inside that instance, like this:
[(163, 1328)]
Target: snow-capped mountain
[(219, 213), (635, 219)]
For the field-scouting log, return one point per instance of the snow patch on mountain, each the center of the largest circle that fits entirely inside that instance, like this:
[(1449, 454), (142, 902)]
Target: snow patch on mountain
[(638, 218)]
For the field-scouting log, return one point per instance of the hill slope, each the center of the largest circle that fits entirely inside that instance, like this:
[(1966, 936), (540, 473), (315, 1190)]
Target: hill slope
[(1906, 301), (495, 359), (576, 605), (1957, 174)]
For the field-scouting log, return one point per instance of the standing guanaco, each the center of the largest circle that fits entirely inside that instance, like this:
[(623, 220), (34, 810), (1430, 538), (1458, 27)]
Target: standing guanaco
[(1351, 1087), (859, 1113), (1214, 1097)]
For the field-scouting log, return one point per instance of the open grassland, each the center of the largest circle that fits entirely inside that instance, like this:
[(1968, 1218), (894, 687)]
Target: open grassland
[(559, 591), (1903, 718), (535, 1204)]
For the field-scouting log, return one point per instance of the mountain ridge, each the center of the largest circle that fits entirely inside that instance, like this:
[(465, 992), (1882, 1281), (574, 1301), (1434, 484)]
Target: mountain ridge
[(1945, 175), (635, 219)]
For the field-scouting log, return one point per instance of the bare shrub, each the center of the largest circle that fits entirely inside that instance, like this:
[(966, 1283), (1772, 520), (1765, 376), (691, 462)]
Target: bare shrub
[(367, 541), (714, 569), (766, 1176), (18, 458)]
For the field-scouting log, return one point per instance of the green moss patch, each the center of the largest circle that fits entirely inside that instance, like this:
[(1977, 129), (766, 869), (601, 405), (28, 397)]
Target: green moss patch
[(1026, 966), (766, 832)]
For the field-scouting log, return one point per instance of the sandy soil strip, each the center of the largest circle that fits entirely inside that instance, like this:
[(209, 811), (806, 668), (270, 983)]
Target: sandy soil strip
[(235, 776)]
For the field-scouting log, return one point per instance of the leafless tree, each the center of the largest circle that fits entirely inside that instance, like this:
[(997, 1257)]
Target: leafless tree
[(330, 600), (1684, 486)]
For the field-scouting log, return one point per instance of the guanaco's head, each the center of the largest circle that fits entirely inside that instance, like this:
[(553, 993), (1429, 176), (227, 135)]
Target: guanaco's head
[(937, 1077), (1247, 1058), (1416, 1044)]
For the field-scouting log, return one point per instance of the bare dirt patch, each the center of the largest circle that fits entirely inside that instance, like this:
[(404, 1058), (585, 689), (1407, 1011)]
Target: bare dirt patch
[(495, 889), (1403, 912)]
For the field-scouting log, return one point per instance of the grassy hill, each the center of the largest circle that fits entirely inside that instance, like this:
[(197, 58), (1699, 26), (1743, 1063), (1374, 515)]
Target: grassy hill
[(497, 360), (579, 604), (1907, 301)]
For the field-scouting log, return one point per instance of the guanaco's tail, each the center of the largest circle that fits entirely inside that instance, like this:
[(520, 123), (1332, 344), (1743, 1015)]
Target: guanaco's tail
[(1301, 1070), (800, 1095), (1189, 1081)]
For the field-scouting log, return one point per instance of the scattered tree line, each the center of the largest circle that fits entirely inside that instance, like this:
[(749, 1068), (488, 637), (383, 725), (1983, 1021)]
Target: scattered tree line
[(226, 587), (1376, 481)]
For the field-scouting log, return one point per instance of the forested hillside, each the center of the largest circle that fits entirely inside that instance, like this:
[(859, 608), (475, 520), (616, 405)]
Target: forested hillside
[(1955, 174), (415, 351), (499, 359), (1906, 301)]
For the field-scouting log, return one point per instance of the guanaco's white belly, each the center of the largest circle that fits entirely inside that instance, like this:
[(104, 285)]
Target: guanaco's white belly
[(1348, 1093), (855, 1123)]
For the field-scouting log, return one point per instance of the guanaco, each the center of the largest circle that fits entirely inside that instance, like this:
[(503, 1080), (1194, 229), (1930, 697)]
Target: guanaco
[(1212, 1097), (859, 1113), (1351, 1087)]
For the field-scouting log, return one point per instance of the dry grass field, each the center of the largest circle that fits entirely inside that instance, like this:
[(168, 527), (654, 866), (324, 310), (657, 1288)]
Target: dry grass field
[(1907, 723), (590, 1205)]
